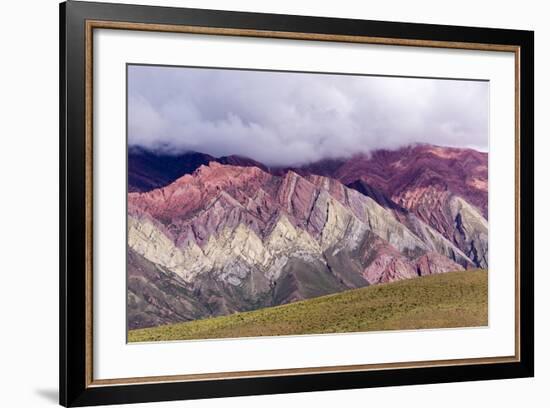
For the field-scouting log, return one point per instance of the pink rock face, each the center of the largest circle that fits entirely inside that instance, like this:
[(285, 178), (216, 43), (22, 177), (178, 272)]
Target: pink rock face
[(217, 196), (433, 263), (193, 192), (388, 265), (389, 269), (407, 174)]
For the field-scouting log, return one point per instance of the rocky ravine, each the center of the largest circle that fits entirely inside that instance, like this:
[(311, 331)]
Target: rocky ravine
[(229, 238)]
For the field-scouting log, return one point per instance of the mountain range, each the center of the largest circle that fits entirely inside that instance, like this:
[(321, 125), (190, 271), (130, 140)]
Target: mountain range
[(213, 236)]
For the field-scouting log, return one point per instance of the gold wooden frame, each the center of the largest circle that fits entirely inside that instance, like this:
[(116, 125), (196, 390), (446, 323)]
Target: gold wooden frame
[(99, 24)]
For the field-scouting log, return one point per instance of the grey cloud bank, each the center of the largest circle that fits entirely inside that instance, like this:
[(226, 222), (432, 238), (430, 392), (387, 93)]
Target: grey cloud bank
[(282, 118)]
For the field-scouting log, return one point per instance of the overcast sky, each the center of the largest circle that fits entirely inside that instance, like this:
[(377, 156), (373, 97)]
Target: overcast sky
[(282, 118)]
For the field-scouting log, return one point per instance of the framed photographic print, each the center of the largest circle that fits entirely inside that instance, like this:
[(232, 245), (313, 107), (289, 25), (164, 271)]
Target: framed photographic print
[(256, 203)]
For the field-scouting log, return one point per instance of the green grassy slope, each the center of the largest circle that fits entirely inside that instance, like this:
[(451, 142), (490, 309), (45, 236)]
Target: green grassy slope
[(455, 299)]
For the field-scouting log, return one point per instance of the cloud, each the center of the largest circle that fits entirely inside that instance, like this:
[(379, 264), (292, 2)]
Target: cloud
[(282, 118)]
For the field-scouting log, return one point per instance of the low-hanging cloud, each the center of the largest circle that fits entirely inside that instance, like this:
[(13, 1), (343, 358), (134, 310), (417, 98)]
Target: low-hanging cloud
[(282, 118)]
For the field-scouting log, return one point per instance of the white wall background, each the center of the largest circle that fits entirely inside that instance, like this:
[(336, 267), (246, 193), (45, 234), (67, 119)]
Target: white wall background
[(29, 204)]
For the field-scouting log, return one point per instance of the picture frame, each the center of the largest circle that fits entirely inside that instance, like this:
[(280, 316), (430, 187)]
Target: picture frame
[(78, 23)]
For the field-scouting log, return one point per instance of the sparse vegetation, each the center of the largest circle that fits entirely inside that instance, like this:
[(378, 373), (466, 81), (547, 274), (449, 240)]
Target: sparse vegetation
[(455, 299)]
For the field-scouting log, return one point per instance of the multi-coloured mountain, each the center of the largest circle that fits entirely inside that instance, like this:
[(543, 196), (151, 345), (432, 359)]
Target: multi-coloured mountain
[(230, 234)]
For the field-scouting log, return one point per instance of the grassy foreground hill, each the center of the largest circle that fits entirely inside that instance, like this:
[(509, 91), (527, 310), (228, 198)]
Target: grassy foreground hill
[(455, 299)]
